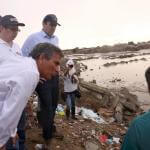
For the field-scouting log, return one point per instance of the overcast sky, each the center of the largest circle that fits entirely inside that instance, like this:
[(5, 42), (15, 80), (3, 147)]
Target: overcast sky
[(85, 23)]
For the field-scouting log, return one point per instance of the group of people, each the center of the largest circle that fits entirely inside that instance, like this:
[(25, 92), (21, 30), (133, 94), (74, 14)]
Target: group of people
[(34, 67)]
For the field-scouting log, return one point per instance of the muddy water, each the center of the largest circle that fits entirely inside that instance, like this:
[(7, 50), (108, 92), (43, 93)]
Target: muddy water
[(129, 74)]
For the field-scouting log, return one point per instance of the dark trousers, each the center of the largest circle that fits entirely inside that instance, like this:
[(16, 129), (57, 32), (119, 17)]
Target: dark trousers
[(48, 93), (20, 145), (11, 146), (21, 131)]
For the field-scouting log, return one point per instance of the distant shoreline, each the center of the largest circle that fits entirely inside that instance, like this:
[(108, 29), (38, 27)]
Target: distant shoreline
[(130, 46)]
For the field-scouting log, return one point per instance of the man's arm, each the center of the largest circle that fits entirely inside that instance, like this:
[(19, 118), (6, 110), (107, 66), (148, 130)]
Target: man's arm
[(28, 46), (19, 89), (55, 41)]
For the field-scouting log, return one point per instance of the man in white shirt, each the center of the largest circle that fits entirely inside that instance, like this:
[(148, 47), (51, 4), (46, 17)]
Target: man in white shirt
[(9, 30), (19, 77)]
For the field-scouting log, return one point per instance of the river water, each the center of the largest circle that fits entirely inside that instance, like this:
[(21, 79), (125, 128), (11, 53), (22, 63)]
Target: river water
[(130, 74)]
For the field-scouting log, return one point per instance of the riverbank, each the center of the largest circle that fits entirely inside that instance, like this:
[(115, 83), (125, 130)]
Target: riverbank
[(130, 46)]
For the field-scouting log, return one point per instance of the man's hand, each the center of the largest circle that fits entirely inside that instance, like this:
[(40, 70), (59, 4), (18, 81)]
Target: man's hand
[(2, 148), (14, 139)]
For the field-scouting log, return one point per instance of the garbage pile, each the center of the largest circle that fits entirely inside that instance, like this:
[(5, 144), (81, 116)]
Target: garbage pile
[(121, 104), (89, 132)]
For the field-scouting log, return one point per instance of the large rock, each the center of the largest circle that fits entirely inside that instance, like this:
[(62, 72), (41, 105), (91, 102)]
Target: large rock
[(119, 113), (91, 146), (118, 101)]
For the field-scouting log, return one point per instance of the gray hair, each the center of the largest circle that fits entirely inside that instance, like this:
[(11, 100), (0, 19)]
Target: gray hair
[(45, 49)]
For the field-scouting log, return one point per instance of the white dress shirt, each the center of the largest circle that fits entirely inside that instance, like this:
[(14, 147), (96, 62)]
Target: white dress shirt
[(14, 48), (18, 79)]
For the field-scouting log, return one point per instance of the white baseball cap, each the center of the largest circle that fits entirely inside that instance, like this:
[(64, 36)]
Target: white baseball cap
[(69, 62)]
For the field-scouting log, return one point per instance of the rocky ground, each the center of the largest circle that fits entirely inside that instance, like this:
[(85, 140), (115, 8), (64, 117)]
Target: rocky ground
[(84, 134)]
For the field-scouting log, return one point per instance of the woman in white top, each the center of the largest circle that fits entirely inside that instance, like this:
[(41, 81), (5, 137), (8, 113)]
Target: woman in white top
[(70, 87)]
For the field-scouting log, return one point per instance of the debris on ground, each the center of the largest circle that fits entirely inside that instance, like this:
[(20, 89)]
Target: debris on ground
[(90, 132)]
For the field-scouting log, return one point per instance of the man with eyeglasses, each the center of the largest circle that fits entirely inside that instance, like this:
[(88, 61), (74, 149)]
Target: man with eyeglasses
[(48, 91)]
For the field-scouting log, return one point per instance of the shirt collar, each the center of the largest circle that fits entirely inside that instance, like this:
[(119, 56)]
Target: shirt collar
[(4, 42), (46, 35)]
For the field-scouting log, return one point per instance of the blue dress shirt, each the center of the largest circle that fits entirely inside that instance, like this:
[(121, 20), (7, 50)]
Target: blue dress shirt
[(36, 38)]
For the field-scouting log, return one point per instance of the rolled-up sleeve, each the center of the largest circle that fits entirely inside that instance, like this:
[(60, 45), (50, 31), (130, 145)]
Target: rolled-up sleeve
[(13, 99)]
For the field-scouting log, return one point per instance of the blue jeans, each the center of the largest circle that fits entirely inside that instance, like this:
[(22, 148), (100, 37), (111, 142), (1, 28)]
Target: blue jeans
[(70, 101)]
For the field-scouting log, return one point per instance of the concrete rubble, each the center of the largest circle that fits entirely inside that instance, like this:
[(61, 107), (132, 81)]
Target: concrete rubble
[(121, 103)]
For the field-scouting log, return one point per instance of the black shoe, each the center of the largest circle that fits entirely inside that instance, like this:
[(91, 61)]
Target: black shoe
[(67, 113), (58, 136), (54, 128), (67, 117), (74, 118)]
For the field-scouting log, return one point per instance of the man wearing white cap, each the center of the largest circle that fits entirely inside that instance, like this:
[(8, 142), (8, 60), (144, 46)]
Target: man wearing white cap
[(70, 88)]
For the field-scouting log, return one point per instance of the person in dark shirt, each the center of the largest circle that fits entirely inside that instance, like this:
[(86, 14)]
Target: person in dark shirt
[(138, 134)]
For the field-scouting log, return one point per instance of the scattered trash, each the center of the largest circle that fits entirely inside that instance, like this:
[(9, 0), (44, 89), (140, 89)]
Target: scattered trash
[(60, 110), (109, 141), (103, 138), (38, 146), (85, 113), (57, 146), (116, 140), (93, 132), (89, 114), (61, 113)]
